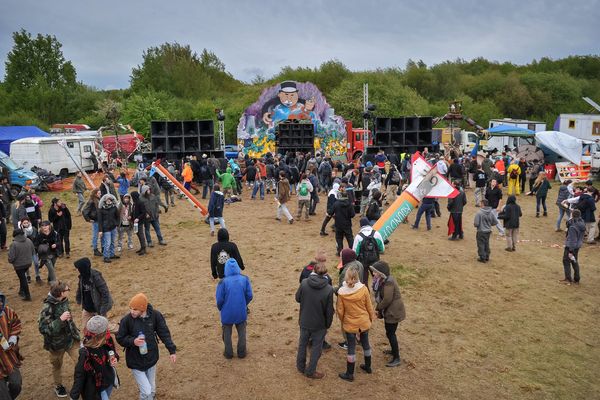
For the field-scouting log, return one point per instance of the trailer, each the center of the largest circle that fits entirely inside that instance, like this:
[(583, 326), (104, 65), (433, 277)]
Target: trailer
[(536, 126), (581, 126), (47, 153)]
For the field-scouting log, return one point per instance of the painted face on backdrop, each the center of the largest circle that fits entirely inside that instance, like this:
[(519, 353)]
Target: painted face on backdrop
[(288, 99)]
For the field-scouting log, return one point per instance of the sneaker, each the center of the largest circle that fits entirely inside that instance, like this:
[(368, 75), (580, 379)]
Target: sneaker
[(162, 243), (323, 233), (394, 363), (119, 249), (107, 260), (565, 281), (150, 244), (60, 391), (291, 221), (316, 375), (343, 345), (130, 247), (97, 253)]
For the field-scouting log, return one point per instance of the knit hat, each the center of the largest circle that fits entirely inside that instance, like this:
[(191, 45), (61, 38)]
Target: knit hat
[(139, 302), (97, 325), (364, 221), (348, 255), (381, 267), (144, 189)]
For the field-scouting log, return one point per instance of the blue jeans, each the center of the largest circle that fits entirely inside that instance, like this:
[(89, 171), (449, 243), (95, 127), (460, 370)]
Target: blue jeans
[(108, 243), (542, 200), (424, 208), (146, 381), (105, 394), (156, 225), (260, 184), (561, 213), (207, 186), (211, 221), (95, 231)]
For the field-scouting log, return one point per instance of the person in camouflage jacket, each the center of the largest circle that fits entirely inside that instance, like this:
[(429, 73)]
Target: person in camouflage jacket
[(59, 331)]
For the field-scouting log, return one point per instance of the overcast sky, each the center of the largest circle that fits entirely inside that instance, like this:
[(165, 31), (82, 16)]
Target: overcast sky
[(105, 39)]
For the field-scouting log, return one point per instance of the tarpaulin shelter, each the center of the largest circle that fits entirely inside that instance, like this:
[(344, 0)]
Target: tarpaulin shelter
[(564, 145), (9, 134)]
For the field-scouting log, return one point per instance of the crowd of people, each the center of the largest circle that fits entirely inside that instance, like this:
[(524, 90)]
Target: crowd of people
[(125, 207)]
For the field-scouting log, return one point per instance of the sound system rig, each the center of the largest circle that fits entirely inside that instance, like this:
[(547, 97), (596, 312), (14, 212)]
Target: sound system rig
[(401, 135), (173, 140), (293, 136)]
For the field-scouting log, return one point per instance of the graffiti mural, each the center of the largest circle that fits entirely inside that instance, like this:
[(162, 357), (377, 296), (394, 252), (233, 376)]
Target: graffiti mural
[(289, 100)]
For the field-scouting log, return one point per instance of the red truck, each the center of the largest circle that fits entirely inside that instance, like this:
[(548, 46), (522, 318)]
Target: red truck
[(355, 141)]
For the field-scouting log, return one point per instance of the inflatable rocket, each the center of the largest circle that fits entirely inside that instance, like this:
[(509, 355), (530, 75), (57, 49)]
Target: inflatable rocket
[(426, 181)]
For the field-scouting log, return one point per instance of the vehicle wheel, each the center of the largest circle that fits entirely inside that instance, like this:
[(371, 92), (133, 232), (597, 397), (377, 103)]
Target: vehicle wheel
[(64, 173)]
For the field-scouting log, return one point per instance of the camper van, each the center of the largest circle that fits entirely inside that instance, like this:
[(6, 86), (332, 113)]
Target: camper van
[(47, 153)]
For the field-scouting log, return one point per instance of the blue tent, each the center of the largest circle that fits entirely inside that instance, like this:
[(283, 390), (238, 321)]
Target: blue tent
[(9, 134)]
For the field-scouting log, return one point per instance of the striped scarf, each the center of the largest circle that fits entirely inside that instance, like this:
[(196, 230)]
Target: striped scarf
[(10, 325)]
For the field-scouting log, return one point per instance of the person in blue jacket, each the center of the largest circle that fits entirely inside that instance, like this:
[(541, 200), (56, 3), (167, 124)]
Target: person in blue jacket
[(234, 293)]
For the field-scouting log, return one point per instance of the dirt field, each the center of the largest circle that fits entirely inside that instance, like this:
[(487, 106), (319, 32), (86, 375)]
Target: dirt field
[(504, 330)]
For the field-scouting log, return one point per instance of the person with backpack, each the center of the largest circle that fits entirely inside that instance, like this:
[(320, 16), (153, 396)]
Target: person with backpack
[(95, 374), (10, 358), (139, 332), (234, 293), (392, 181), (511, 215), (60, 333), (514, 175), (222, 251), (368, 246), (216, 204), (389, 306), (90, 214), (355, 311), (304, 190), (325, 171), (374, 208)]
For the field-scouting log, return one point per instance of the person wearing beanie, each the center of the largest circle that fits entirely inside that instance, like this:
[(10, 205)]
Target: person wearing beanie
[(389, 306), (368, 245), (20, 255), (234, 293), (343, 212), (95, 374), (348, 259), (92, 291), (138, 333), (355, 311), (10, 358)]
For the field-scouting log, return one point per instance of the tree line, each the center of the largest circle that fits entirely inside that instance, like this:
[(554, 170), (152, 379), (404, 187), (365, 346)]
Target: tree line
[(40, 88)]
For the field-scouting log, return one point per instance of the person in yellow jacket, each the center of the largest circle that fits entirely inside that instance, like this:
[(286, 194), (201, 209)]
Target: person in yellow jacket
[(514, 174), (355, 311), (187, 175)]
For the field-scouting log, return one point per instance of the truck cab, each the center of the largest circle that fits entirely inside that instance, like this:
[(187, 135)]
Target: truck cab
[(18, 177), (355, 142)]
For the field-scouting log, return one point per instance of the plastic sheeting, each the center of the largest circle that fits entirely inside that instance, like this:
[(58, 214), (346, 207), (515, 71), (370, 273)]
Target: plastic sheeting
[(562, 144)]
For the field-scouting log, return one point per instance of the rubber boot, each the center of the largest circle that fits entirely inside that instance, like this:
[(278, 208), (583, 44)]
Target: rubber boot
[(349, 374), (367, 365)]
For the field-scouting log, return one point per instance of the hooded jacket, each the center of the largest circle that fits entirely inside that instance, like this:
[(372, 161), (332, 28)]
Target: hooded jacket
[(354, 308), (139, 208), (216, 204), (10, 327), (153, 324), (58, 335), (389, 299), (485, 219), (234, 293), (108, 217), (315, 296), (343, 212), (511, 213), (101, 297), (151, 204), (332, 197), (222, 251), (575, 233), (226, 178), (20, 253)]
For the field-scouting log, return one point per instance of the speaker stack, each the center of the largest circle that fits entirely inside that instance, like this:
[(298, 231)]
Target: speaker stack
[(401, 135), (173, 140), (295, 137)]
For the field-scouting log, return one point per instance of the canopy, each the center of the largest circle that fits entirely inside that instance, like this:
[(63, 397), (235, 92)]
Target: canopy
[(511, 131), (562, 144), (9, 134)]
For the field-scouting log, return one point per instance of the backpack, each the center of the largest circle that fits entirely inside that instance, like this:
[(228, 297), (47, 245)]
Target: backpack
[(514, 174), (373, 211), (303, 189), (369, 251)]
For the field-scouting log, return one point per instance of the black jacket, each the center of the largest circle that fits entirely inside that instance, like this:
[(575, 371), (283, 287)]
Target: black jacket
[(343, 212), (139, 208), (101, 297), (108, 219), (587, 207), (151, 326), (493, 196), (457, 204), (49, 239), (222, 251), (511, 213), (61, 223), (90, 211), (315, 296), (84, 382)]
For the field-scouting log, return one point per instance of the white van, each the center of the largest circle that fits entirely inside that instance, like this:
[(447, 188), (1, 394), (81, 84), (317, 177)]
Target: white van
[(47, 153)]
